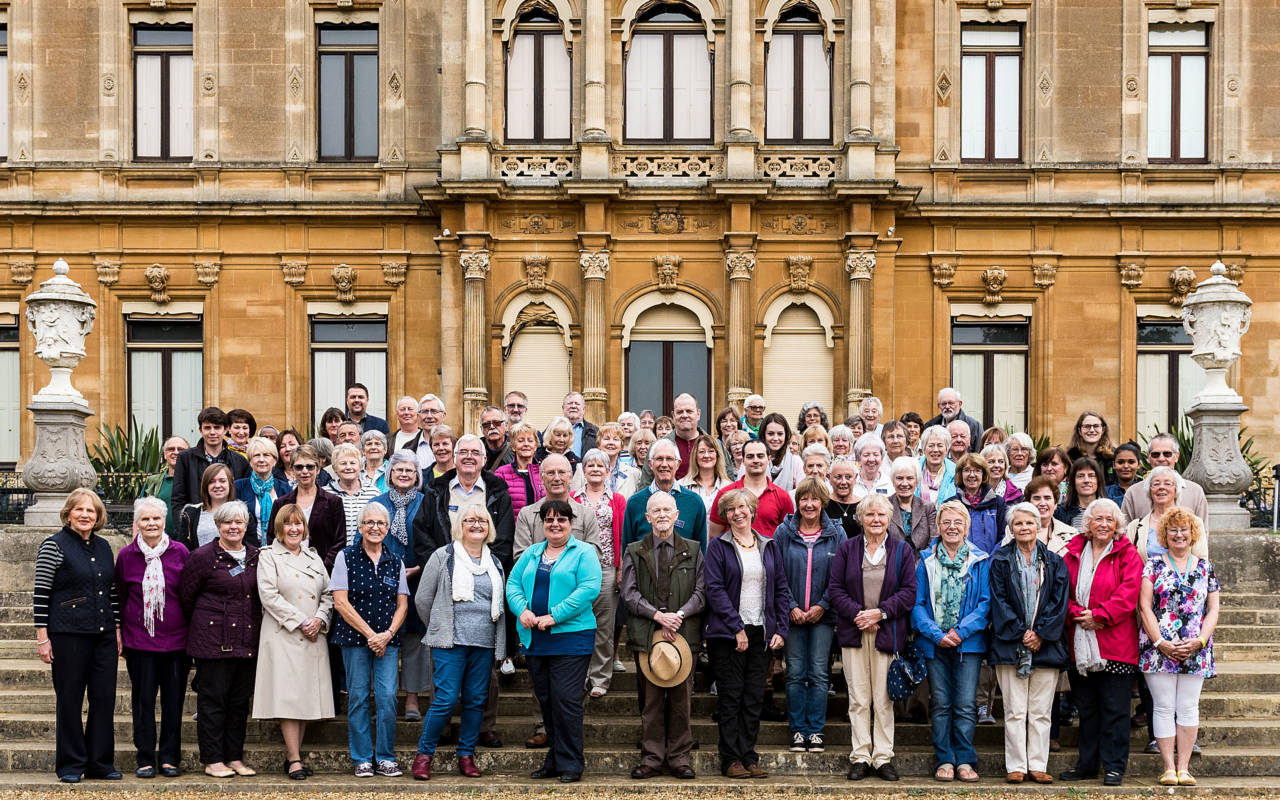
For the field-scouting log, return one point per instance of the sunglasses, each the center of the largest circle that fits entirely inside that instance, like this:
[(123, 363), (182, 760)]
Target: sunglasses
[(306, 467)]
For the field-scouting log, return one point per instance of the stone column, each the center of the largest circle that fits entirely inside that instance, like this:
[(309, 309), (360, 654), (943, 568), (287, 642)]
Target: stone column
[(1217, 315), (860, 69), (474, 117), (859, 264), (475, 340), (740, 264), (59, 315), (740, 39), (595, 333), (595, 99)]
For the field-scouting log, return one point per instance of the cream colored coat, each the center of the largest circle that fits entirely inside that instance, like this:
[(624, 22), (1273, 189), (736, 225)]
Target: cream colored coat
[(293, 672)]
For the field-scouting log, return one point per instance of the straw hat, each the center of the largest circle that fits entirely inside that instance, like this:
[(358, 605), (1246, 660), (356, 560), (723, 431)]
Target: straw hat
[(667, 663)]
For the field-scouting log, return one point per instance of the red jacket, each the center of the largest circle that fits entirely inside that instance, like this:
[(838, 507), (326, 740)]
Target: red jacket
[(1113, 598)]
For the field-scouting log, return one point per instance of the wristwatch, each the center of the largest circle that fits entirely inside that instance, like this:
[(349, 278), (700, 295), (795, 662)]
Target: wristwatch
[(883, 616)]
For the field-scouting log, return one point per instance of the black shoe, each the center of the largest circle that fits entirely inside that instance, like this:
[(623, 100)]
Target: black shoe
[(772, 713), (644, 772), (1077, 774), (544, 772), (1113, 779), (887, 772), (173, 772), (570, 777), (490, 740), (858, 771), (70, 778), (113, 775), (148, 771)]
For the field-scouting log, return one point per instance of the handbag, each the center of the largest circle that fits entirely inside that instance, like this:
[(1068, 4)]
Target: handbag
[(906, 673)]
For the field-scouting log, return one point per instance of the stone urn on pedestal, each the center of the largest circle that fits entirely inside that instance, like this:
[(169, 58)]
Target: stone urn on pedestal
[(1216, 316), (59, 315)]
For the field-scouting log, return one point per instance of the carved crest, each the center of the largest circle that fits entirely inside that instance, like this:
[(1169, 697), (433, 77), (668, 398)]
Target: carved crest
[(1235, 272), (798, 224), (207, 272), (740, 263), (668, 269), (1045, 274), (394, 272), (944, 86), (474, 263), (798, 268), (535, 223), (21, 270), (535, 272), (108, 271), (993, 279), (944, 274), (158, 280), (295, 272), (859, 264), (1131, 275), (344, 279), (1181, 281)]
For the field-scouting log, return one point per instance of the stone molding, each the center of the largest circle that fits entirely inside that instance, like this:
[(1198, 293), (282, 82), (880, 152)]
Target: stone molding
[(344, 280)]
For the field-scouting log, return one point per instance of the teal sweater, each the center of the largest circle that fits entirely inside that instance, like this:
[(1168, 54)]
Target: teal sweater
[(691, 517), (575, 585)]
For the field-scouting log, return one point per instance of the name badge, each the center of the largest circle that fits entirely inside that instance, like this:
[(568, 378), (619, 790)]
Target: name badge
[(237, 571), (390, 581), (679, 522), (453, 508)]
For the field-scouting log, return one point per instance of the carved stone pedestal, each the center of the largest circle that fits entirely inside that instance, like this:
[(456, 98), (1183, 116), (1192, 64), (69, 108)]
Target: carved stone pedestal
[(1217, 465), (58, 463)]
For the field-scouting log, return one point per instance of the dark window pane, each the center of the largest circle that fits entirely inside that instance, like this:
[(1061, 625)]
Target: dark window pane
[(349, 332), (537, 15), (1156, 333), (689, 371), (989, 334), (4, 35), (333, 111), (8, 333), (174, 36), (799, 14), (644, 375), (366, 105), (669, 12), (348, 36), (162, 331)]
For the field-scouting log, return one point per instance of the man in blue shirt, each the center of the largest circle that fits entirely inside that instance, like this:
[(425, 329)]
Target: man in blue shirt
[(584, 433), (691, 512)]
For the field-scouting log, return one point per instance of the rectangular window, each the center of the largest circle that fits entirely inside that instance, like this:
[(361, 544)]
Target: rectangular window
[(989, 369), (659, 370), (344, 351), (163, 93), (1168, 380), (10, 393), (798, 89), (1177, 92), (347, 102), (4, 92), (668, 94), (539, 87), (991, 92), (166, 374)]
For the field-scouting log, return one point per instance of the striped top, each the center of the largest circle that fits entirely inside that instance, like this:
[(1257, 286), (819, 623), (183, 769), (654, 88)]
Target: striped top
[(353, 505), (48, 560)]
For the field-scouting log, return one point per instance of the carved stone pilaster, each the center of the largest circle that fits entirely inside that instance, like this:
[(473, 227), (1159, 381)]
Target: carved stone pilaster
[(295, 272), (474, 263), (798, 269), (594, 264), (158, 280), (993, 279), (207, 272), (535, 272), (394, 272), (740, 264), (1131, 275), (344, 280), (668, 271), (860, 264), (1046, 274), (944, 274), (108, 270), (1181, 281)]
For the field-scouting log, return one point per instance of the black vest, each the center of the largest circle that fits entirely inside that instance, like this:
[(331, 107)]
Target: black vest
[(80, 600), (372, 590)]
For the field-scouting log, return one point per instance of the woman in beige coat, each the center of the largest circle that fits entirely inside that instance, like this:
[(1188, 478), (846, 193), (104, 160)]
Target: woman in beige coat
[(292, 682)]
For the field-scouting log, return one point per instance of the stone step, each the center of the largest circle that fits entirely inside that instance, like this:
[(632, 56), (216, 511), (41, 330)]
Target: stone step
[(1227, 652), (1232, 599), (1248, 634)]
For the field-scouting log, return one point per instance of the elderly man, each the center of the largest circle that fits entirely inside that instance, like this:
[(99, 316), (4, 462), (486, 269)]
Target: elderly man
[(685, 415), (1162, 451), (407, 420), (357, 410), (430, 414), (959, 432), (161, 484), (584, 433), (516, 404), (691, 512), (950, 408), (772, 502), (753, 408), (663, 595), (871, 410), (349, 433), (493, 427)]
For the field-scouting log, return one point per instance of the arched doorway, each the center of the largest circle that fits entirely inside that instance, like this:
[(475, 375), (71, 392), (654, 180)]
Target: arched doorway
[(667, 353)]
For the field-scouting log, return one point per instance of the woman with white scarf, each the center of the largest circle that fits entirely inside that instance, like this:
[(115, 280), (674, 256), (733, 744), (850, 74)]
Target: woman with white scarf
[(1105, 572), (154, 631), (460, 598)]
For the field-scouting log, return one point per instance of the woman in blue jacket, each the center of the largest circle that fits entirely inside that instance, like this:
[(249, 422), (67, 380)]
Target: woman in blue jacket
[(807, 542), (953, 598), (747, 613), (986, 510), (551, 590)]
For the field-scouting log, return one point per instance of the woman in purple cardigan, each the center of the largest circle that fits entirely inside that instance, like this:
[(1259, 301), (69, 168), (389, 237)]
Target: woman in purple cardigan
[(153, 629), (872, 591), (748, 608)]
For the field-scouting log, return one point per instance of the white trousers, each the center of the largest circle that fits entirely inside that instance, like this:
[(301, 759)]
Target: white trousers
[(866, 671), (1173, 696), (1027, 706)]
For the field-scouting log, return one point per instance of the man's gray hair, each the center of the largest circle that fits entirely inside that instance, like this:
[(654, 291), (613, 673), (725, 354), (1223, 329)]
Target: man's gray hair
[(664, 444), (439, 400), (658, 496), (752, 398), (467, 438), (951, 389), (873, 400), (1164, 437)]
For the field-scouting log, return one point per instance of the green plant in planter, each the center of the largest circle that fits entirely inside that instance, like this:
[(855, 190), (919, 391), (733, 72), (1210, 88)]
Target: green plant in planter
[(124, 459)]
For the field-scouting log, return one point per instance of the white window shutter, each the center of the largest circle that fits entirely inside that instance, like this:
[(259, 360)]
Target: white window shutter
[(538, 365), (557, 83), (1159, 107), (181, 107), (147, 104), (4, 106), (520, 88), (780, 88), (1007, 105), (798, 365), (691, 87), (967, 378), (1009, 384), (146, 392), (1191, 110), (10, 406), (187, 399), (973, 107), (817, 88), (644, 87)]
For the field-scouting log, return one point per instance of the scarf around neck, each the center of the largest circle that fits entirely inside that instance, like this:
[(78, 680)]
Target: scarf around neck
[(951, 588), (261, 488), (463, 579), (1028, 576), (399, 517), (153, 583), (1088, 654)]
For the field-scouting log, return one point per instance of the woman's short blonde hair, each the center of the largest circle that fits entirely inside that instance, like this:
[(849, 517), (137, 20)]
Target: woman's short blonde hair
[(74, 499), (522, 427), (258, 445), (954, 507), (468, 513), (873, 500), (641, 436), (1178, 517), (344, 450)]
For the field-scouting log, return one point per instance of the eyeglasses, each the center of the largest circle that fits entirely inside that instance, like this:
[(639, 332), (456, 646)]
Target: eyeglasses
[(468, 453), (491, 425), (516, 405), (475, 522), (755, 408), (558, 520), (1092, 426), (374, 523), (305, 467)]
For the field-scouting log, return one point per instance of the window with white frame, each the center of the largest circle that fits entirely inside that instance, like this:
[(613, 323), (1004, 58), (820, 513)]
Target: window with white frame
[(990, 92), (798, 80), (989, 369), (347, 350), (1168, 380), (668, 77), (166, 374), (10, 392), (347, 102), (539, 80), (1177, 92), (163, 93)]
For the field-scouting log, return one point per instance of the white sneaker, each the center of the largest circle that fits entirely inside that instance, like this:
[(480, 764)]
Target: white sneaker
[(618, 666), (507, 667)]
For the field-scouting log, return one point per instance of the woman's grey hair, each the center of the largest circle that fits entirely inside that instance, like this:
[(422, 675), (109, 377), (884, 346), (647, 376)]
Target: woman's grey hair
[(1103, 505), (1024, 508), (870, 439), (1022, 439), (323, 448), (375, 508), (373, 436), (816, 449), (873, 500), (841, 432), (404, 457), (1171, 472), (935, 432), (629, 416), (596, 455), (995, 449), (144, 503), (905, 464), (231, 510)]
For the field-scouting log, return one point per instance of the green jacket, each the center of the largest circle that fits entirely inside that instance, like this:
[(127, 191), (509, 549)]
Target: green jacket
[(161, 485), (686, 590)]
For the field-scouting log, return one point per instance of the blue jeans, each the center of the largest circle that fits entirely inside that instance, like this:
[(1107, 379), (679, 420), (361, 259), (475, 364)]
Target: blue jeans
[(460, 673), (808, 647), (953, 681), (365, 671)]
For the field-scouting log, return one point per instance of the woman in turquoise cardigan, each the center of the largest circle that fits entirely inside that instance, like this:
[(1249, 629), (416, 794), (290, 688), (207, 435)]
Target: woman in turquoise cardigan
[(551, 590)]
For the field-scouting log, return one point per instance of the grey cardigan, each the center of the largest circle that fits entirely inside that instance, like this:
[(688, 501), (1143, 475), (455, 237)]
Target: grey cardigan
[(434, 602)]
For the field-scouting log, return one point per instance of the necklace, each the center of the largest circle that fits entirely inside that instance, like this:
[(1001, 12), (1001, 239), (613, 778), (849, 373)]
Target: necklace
[(744, 546)]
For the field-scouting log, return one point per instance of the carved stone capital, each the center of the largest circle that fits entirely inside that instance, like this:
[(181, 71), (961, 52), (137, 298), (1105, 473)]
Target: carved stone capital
[(474, 263), (1181, 281), (535, 272), (158, 280), (207, 272), (1045, 274), (993, 279), (295, 272), (108, 270), (394, 272), (344, 280), (798, 269), (1131, 275), (859, 264), (668, 271), (944, 274), (1235, 272), (740, 264), (594, 264)]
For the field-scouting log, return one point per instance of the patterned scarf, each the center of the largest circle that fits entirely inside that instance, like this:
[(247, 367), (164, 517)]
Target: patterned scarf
[(951, 588), (399, 519), (1028, 576), (153, 583), (261, 488)]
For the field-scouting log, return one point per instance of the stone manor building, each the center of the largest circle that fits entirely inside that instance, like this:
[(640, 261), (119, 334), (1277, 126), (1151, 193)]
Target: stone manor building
[(813, 199)]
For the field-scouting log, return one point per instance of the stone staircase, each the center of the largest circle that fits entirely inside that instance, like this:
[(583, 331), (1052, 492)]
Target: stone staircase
[(1240, 709)]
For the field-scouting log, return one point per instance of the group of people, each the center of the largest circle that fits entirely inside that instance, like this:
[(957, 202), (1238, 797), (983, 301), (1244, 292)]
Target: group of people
[(934, 559)]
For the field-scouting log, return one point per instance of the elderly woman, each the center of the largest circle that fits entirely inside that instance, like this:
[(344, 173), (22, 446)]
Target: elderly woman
[(153, 630), (817, 463), (326, 519), (663, 426), (621, 476), (872, 590), (953, 599), (628, 423), (292, 683), (842, 505), (350, 487), (1019, 452), (869, 452), (461, 597), (807, 542), (557, 439), (641, 441), (914, 424), (707, 474), (1179, 609), (998, 474), (609, 507), (1028, 642), (218, 590), (1162, 487), (937, 472), (1084, 485), (262, 487), (986, 509), (811, 414), (748, 608), (894, 436), (737, 440), (551, 592), (371, 596), (521, 475), (1053, 463), (1091, 437), (842, 440), (913, 520), (440, 440), (74, 606), (373, 446), (785, 468), (1106, 577), (196, 527)]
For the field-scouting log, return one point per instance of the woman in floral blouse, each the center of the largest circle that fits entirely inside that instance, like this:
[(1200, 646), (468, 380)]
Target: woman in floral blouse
[(1179, 608), (609, 508)]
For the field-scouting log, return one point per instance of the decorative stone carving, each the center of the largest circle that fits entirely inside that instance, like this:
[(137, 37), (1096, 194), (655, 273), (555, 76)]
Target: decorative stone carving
[(943, 86), (667, 165), (798, 224), (943, 153), (1180, 282), (207, 272), (23, 86), (21, 270), (944, 274), (394, 272), (1131, 85), (1235, 272), (58, 463), (108, 85), (344, 280), (558, 165), (1216, 317), (993, 279), (1233, 85), (295, 272), (798, 269), (666, 221), (394, 84), (60, 315), (1045, 85), (395, 155), (208, 84), (740, 264), (594, 263), (668, 269), (295, 83), (1045, 274), (859, 264), (108, 271), (535, 272), (158, 280), (1131, 275), (793, 166), (475, 264), (535, 223)]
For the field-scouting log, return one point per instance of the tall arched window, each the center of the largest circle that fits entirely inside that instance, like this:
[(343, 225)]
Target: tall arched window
[(539, 80), (798, 79), (668, 74)]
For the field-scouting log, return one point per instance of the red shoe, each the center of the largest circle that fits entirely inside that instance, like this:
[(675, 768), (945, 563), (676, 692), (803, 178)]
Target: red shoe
[(467, 767), (422, 767)]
